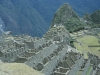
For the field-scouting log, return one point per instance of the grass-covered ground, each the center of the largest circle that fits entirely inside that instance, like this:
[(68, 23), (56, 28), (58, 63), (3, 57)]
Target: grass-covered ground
[(17, 69), (79, 73), (89, 70), (83, 42)]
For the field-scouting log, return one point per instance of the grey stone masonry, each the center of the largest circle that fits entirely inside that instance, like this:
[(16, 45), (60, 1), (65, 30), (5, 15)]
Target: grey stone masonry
[(48, 67), (76, 66), (49, 55), (39, 42), (41, 55), (87, 66), (66, 66)]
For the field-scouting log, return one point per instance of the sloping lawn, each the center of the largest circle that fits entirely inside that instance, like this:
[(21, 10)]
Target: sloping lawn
[(89, 70), (85, 41)]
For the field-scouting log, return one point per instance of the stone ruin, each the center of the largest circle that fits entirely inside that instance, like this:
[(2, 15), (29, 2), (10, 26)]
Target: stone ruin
[(51, 55), (95, 61)]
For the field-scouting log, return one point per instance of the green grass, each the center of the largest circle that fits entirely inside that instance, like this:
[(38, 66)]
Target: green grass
[(79, 73), (87, 40), (89, 70), (90, 40)]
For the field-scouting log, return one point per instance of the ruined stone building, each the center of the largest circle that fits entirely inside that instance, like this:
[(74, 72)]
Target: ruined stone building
[(51, 55)]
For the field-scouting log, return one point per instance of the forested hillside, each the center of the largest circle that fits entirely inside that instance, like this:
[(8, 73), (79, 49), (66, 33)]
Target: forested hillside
[(21, 18), (47, 8), (34, 17)]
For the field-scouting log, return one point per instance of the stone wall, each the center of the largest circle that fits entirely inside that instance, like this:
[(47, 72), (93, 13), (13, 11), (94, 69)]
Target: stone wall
[(76, 66), (48, 67), (39, 42), (41, 55), (47, 56), (87, 66), (11, 54)]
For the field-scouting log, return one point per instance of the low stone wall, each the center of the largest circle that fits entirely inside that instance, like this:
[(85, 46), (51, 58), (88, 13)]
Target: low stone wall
[(86, 67), (38, 58), (48, 67), (93, 45), (12, 55), (76, 66), (91, 72), (39, 42)]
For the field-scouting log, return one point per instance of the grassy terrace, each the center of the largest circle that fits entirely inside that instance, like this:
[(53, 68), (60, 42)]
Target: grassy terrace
[(89, 70), (83, 42), (79, 73)]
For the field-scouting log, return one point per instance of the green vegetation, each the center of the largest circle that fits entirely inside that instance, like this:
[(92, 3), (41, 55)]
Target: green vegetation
[(67, 17), (79, 72), (87, 17), (93, 25), (72, 40), (96, 17), (17, 69), (89, 70), (71, 43), (64, 13), (21, 18), (50, 6), (73, 25), (93, 20), (87, 40)]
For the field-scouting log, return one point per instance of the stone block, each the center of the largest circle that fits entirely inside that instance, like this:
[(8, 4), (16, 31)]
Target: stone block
[(39, 67)]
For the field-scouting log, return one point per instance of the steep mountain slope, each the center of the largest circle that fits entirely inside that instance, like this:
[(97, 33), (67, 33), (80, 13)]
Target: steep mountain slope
[(93, 20), (21, 18), (63, 14), (47, 8), (95, 17), (33, 17), (66, 16)]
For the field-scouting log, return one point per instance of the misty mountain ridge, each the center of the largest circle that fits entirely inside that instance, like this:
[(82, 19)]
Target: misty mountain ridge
[(47, 8), (20, 18), (66, 16), (35, 16), (64, 13)]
